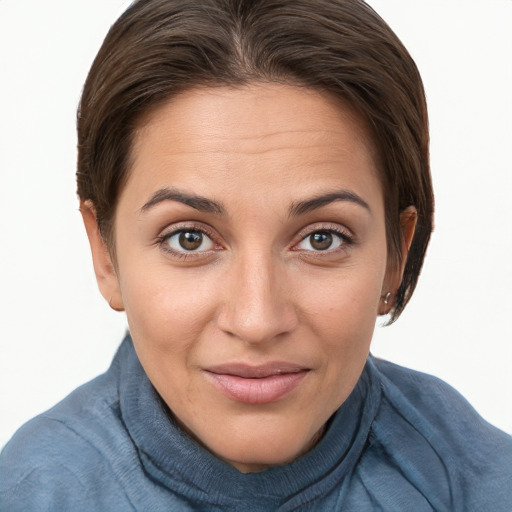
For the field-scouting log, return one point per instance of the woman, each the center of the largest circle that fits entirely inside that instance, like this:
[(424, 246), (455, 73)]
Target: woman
[(254, 182)]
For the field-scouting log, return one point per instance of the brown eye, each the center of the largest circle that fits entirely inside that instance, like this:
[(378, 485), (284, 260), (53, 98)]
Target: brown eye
[(189, 240), (321, 241)]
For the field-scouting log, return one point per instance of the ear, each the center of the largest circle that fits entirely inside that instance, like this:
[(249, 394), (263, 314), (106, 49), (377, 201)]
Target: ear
[(104, 269), (394, 273)]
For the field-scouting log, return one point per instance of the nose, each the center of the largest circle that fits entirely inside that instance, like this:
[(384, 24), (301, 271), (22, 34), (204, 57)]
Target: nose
[(258, 304)]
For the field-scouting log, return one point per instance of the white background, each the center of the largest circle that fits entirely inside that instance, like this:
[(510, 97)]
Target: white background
[(56, 332)]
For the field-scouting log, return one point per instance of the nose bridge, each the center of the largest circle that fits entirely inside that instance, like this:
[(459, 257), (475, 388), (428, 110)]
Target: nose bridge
[(258, 306)]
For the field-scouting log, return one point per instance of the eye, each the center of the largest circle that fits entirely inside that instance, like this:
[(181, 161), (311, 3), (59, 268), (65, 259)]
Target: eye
[(322, 240), (189, 240)]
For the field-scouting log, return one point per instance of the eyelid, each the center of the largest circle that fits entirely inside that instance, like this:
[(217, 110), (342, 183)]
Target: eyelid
[(173, 242), (180, 227), (345, 234), (331, 227)]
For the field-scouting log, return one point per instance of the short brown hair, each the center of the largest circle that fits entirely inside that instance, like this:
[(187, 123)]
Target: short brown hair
[(159, 48)]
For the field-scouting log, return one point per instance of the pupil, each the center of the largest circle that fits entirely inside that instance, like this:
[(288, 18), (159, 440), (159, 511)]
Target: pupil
[(191, 240), (321, 240)]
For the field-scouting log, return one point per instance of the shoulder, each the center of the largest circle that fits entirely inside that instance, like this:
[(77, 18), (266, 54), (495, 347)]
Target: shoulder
[(436, 404), (51, 461), (424, 421)]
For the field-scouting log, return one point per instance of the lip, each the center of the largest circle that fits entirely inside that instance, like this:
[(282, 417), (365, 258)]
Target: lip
[(256, 384)]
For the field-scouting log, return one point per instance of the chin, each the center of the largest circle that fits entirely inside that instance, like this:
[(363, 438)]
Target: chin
[(261, 445), (260, 456)]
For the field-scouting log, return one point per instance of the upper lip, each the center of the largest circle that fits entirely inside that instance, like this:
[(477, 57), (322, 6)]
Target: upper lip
[(247, 371)]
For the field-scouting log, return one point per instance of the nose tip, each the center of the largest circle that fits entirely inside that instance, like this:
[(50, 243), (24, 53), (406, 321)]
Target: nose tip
[(258, 306), (258, 323)]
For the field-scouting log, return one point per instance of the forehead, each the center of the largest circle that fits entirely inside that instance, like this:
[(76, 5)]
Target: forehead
[(260, 135), (255, 111)]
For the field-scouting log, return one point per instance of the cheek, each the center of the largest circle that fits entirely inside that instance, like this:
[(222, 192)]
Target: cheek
[(166, 309), (341, 310), (346, 301), (167, 317), (344, 328)]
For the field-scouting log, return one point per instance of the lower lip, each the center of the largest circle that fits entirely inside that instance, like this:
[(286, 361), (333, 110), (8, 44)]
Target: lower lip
[(256, 391)]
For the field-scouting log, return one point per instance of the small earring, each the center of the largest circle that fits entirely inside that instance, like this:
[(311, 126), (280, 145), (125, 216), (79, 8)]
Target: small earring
[(386, 298)]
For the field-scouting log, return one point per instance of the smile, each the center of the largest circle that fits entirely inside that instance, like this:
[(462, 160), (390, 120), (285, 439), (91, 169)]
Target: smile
[(256, 385)]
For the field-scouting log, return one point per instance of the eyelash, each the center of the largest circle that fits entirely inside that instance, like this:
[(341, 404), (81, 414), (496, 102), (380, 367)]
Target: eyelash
[(163, 240), (345, 238)]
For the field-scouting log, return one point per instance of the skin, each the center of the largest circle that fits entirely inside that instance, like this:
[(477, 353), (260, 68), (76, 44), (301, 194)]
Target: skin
[(257, 290)]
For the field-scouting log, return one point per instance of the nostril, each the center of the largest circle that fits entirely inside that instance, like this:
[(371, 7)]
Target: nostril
[(257, 307), (258, 325)]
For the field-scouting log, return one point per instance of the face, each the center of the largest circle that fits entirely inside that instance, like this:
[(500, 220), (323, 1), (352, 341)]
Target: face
[(251, 262)]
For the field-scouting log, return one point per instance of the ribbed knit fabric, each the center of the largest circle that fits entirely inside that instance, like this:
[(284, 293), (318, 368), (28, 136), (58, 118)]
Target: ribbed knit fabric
[(402, 441)]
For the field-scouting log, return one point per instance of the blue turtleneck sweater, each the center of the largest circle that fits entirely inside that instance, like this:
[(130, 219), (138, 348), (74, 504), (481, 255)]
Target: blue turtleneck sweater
[(402, 441)]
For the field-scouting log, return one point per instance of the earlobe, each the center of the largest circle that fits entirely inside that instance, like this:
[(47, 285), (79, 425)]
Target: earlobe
[(408, 219), (104, 269)]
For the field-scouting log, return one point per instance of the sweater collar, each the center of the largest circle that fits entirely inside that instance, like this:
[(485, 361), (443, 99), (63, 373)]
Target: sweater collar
[(179, 463)]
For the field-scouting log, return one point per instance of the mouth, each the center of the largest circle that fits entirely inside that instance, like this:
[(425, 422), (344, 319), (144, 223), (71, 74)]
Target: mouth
[(256, 384)]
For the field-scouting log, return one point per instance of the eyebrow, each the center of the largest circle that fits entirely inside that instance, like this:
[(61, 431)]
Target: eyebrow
[(199, 203), (309, 205)]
